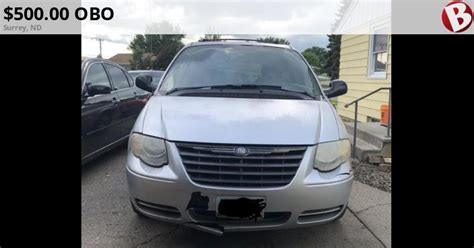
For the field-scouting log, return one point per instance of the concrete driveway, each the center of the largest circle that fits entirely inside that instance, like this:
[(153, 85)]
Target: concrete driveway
[(108, 220)]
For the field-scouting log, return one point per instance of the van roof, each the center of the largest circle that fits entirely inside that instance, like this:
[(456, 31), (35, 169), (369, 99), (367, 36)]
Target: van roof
[(247, 42)]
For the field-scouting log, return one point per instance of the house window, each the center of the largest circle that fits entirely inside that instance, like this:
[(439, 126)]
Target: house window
[(378, 56)]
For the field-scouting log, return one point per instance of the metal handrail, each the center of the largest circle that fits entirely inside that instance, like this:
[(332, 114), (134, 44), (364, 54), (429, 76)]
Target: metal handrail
[(356, 102)]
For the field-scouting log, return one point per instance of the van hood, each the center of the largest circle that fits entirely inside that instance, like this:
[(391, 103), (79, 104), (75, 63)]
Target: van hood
[(238, 120)]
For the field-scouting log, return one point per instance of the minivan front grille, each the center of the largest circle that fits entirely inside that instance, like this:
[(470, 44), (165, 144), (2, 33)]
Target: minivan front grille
[(241, 165)]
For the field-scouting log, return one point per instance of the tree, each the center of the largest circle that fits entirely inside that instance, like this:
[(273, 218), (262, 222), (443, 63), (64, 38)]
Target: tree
[(155, 51), (333, 55), (311, 58), (316, 57), (274, 40), (320, 53), (138, 47), (168, 47)]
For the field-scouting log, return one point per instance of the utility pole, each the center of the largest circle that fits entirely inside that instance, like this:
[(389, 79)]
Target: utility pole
[(100, 46)]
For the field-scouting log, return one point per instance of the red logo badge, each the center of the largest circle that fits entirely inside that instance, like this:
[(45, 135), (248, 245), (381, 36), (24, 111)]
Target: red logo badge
[(457, 16)]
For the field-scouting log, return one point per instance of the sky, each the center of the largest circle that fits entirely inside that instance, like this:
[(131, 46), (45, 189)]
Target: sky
[(302, 22), (113, 44)]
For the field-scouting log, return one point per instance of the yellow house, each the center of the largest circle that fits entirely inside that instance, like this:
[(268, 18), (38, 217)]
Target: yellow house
[(365, 65), (365, 56)]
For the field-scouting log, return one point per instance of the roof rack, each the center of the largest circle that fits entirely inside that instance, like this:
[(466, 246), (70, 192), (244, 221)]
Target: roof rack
[(230, 39)]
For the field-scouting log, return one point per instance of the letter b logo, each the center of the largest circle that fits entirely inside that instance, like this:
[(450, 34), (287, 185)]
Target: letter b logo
[(457, 16)]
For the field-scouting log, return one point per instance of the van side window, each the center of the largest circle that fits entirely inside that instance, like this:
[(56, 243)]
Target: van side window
[(97, 75), (119, 79)]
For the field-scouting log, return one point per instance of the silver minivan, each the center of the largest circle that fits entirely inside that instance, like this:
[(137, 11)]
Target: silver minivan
[(239, 136)]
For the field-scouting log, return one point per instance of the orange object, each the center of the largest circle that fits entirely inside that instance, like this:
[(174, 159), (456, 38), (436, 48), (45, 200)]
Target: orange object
[(384, 114)]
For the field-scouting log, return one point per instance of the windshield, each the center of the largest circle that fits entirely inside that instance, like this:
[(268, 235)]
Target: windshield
[(240, 65)]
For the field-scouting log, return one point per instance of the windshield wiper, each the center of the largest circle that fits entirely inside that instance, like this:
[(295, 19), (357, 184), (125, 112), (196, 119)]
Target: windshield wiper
[(273, 87), (224, 86), (260, 86), (185, 88), (240, 86)]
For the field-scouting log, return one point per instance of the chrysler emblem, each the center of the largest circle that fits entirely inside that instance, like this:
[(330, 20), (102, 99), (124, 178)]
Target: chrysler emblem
[(241, 151)]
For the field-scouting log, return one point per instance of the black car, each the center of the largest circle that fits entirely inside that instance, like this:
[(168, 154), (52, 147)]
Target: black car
[(110, 105)]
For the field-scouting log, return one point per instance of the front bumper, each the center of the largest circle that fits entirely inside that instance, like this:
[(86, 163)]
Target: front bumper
[(311, 198)]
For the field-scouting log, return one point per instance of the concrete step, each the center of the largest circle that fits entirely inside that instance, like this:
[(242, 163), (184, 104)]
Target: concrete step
[(371, 132), (364, 149)]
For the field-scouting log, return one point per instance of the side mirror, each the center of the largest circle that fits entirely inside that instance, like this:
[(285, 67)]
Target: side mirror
[(336, 88), (144, 82), (93, 90)]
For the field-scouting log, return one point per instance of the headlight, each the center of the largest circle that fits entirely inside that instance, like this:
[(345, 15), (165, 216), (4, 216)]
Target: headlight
[(150, 150), (332, 154)]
